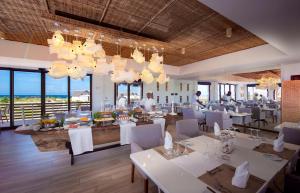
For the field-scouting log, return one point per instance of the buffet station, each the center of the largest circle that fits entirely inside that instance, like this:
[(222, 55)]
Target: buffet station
[(82, 133)]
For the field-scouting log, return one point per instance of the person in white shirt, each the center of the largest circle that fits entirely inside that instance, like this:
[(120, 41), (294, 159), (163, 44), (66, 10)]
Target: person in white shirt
[(148, 103), (227, 98), (263, 99), (196, 100), (255, 97), (122, 101)]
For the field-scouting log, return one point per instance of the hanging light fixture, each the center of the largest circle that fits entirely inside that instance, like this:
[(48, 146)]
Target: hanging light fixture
[(76, 72), (57, 39), (266, 82), (147, 76), (66, 52), (90, 47), (138, 56), (162, 78), (58, 69), (90, 57), (155, 64), (102, 67), (77, 46)]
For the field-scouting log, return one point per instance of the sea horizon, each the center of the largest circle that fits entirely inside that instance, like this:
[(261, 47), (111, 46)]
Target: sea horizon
[(34, 96)]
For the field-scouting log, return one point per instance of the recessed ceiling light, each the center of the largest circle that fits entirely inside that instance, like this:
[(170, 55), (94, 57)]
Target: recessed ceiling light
[(56, 24), (66, 30), (2, 38), (182, 50), (228, 32), (91, 33)]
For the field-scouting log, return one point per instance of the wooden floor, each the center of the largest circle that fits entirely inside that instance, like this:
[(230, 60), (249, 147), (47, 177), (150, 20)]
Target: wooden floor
[(23, 169)]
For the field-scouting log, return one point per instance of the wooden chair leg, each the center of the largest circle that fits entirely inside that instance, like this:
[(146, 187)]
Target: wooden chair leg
[(146, 182), (132, 172)]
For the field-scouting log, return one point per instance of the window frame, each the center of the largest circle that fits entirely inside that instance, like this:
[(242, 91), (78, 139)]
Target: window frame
[(206, 84), (230, 85), (128, 90), (43, 73)]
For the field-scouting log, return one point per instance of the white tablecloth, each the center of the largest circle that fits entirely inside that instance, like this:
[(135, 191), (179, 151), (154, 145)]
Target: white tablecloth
[(81, 140), (125, 132)]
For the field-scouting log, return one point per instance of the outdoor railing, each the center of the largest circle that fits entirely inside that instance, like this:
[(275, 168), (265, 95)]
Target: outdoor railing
[(33, 110)]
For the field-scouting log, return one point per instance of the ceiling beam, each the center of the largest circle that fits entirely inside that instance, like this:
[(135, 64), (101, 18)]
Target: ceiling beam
[(105, 10), (154, 16)]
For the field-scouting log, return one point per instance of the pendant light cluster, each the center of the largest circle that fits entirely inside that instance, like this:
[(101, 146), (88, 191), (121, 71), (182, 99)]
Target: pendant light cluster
[(77, 59)]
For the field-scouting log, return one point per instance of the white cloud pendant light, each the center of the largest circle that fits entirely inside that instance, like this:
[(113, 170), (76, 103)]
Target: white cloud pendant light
[(138, 56), (58, 69)]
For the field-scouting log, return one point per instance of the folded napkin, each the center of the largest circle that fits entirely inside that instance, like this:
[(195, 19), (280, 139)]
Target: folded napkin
[(278, 144), (241, 175), (225, 111), (237, 109), (210, 108), (217, 129), (168, 141)]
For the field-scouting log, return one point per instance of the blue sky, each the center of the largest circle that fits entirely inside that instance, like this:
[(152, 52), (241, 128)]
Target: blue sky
[(28, 83)]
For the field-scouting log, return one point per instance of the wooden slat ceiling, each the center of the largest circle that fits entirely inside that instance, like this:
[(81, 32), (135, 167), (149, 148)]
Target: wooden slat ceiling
[(168, 24), (275, 73)]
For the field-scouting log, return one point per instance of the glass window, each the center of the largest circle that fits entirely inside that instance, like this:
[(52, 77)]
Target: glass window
[(263, 92), (226, 88), (232, 89), (27, 97), (4, 98), (80, 93), (204, 88), (222, 90), (128, 94), (251, 91), (278, 94), (135, 93), (56, 95)]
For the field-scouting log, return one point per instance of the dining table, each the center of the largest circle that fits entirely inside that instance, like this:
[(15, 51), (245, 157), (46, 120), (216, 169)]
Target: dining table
[(187, 173), (294, 125), (239, 118)]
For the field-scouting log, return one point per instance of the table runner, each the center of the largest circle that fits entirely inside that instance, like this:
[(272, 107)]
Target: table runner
[(268, 148), (220, 179)]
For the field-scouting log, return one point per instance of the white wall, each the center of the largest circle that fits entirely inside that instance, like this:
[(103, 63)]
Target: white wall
[(287, 70)]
